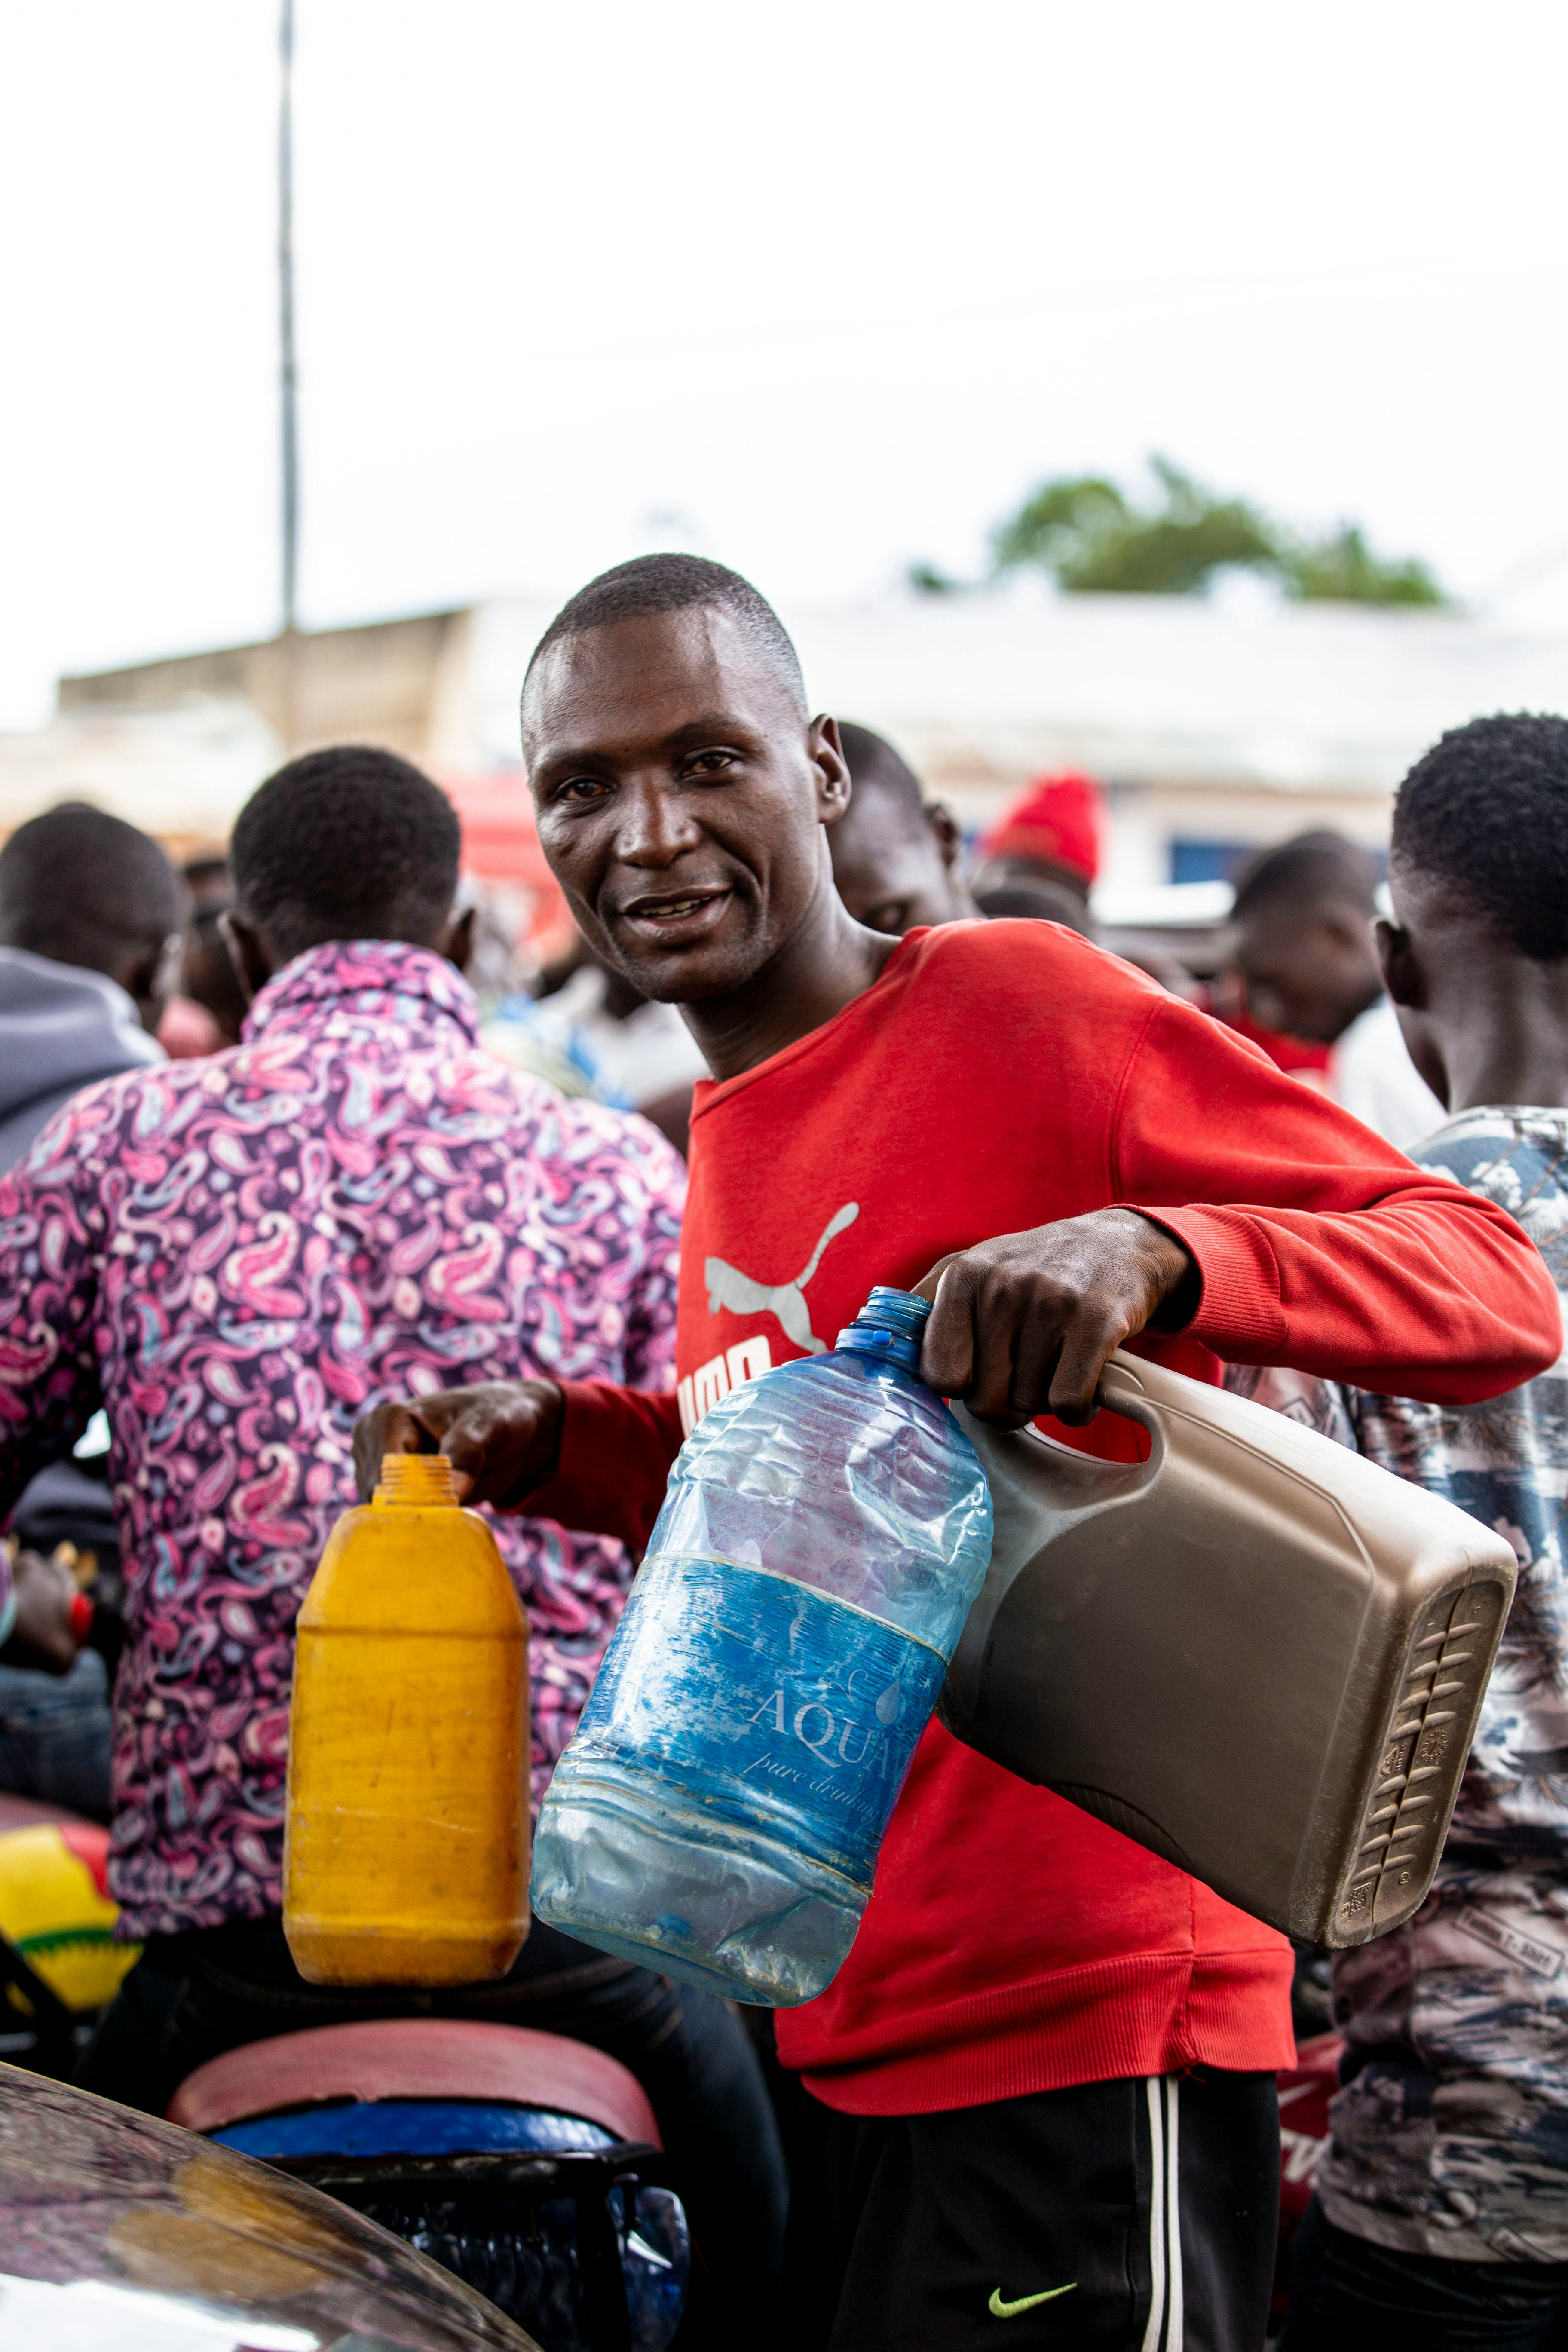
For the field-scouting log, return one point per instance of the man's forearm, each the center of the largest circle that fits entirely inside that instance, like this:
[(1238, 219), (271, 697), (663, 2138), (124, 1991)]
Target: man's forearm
[(1429, 1291), (616, 1446), (1318, 1245)]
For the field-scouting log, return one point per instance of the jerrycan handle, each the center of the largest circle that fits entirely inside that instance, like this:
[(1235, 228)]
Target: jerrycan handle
[(1013, 1459), (1119, 1391)]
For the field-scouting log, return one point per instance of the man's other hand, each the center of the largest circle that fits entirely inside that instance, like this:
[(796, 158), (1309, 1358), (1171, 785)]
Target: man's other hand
[(42, 1635), (503, 1438), (1024, 1324)]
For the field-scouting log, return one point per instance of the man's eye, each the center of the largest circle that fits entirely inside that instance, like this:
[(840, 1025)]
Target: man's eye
[(709, 763), (581, 788)]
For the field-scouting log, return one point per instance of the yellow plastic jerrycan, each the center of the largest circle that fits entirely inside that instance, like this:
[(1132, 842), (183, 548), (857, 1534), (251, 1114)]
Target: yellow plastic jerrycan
[(405, 1845)]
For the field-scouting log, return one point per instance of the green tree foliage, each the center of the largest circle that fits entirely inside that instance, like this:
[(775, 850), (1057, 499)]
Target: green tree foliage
[(926, 580), (1093, 540), (1344, 569)]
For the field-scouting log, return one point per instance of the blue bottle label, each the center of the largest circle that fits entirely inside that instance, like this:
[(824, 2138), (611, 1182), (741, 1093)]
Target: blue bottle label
[(765, 1703)]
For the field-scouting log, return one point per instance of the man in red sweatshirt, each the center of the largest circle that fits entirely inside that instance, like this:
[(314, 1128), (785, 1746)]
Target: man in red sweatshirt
[(1041, 2086)]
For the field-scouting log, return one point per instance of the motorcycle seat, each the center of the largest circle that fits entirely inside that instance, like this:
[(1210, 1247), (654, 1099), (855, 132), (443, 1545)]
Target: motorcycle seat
[(442, 2058)]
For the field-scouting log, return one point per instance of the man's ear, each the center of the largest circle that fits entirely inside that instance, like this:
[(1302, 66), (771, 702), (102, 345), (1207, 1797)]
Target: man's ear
[(1400, 962), (456, 941), (248, 951), (945, 829), (833, 783)]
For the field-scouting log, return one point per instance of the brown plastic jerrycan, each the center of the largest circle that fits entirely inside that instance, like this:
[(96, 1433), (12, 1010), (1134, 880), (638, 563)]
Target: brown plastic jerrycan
[(1259, 1655)]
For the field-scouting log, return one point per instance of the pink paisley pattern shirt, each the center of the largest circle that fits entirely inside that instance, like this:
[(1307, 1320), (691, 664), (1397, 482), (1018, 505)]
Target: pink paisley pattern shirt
[(236, 1258)]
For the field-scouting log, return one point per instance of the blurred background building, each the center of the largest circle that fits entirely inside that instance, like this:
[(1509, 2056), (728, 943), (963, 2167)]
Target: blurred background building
[(1215, 725)]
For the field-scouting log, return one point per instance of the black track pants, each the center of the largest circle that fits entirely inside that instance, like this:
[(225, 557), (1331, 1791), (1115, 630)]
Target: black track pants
[(1140, 2215)]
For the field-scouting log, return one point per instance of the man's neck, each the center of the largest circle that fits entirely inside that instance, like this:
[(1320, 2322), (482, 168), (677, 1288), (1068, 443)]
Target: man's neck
[(1510, 1042), (826, 963)]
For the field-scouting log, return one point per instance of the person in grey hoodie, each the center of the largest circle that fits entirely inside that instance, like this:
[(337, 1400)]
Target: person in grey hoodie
[(90, 920)]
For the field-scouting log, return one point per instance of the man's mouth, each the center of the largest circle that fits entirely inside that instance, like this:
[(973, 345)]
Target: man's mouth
[(676, 916)]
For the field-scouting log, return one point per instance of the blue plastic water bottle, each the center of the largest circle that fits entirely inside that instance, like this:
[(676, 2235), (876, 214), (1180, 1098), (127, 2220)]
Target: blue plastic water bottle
[(718, 1814)]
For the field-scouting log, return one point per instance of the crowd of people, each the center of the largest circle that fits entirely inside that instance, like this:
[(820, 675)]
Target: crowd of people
[(1042, 2087)]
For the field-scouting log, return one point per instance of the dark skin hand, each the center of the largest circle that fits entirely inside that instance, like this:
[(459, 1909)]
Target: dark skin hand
[(1022, 1325), (501, 1437)]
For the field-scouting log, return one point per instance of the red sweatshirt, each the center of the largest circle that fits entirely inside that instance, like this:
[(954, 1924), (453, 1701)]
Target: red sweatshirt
[(999, 1076)]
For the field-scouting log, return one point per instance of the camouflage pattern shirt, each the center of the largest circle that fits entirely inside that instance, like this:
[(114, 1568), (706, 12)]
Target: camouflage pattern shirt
[(1450, 2134)]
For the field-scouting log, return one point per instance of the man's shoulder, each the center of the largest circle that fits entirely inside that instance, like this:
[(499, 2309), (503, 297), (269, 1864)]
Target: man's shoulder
[(131, 1101), (1016, 957), (581, 1131), (550, 1128), (1514, 1154)]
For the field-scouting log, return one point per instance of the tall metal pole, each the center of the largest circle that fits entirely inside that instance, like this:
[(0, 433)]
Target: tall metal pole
[(289, 386)]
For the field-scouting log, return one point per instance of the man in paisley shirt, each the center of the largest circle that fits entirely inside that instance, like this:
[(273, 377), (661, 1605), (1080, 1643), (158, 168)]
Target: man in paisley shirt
[(236, 1256), (1441, 2213)]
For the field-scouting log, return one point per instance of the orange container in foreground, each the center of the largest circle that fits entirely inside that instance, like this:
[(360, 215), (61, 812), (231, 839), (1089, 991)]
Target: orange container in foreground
[(405, 1845)]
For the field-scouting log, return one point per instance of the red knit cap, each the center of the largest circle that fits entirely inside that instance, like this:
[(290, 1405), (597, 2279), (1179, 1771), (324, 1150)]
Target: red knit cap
[(1057, 821)]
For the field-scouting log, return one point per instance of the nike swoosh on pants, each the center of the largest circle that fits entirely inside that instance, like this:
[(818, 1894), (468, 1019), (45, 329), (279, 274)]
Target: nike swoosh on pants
[(1000, 2310)]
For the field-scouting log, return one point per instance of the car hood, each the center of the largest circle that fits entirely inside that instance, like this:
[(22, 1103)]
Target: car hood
[(120, 2234)]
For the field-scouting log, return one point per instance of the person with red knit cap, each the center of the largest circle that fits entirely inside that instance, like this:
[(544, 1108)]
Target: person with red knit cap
[(1043, 856)]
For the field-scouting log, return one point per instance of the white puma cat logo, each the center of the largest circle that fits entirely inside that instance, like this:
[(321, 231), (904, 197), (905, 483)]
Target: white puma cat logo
[(728, 1287)]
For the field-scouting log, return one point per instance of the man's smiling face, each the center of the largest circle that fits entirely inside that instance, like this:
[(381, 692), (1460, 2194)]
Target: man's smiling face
[(680, 791)]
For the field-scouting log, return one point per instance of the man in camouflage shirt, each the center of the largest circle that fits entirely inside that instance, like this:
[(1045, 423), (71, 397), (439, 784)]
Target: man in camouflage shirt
[(1441, 2210)]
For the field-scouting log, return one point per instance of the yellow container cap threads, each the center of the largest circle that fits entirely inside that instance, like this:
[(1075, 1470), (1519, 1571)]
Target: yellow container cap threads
[(406, 1848), (414, 1478)]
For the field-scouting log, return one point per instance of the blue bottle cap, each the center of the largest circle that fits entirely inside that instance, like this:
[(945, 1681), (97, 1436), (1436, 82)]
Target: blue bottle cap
[(889, 1325)]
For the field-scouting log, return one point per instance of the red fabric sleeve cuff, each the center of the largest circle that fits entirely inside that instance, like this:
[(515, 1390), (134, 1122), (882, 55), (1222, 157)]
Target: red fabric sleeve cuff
[(616, 1446), (1239, 1316)]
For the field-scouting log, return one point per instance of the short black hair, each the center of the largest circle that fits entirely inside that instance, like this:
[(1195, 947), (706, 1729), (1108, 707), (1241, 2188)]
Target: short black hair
[(875, 767), (1036, 899), (670, 584), (81, 887), (1315, 869), (347, 844), (1485, 811)]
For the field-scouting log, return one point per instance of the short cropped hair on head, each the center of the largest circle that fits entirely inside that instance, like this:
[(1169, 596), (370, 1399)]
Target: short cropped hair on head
[(347, 844), (673, 583), (1485, 813), (1315, 869), (876, 767), (82, 886)]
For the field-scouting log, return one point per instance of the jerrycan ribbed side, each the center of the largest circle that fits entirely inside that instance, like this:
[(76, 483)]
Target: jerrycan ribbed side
[(1254, 1652), (405, 1841)]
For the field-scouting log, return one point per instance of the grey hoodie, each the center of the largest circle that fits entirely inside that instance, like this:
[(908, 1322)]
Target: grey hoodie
[(60, 1029)]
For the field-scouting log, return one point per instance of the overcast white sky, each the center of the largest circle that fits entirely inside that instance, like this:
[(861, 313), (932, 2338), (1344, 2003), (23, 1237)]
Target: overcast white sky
[(815, 289)]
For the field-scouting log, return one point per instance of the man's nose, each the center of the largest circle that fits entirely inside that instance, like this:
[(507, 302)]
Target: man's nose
[(655, 827)]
